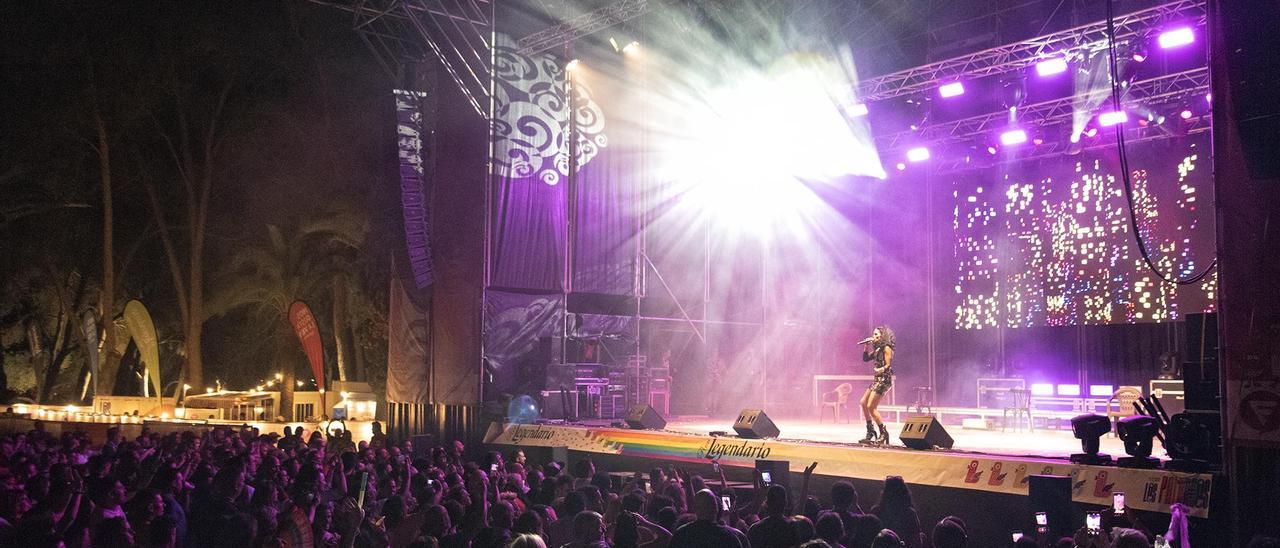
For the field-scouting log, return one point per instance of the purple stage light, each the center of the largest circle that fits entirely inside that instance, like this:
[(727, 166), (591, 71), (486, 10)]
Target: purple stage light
[(1177, 37), (1068, 390), (1013, 137), (992, 149), (1050, 67), (954, 89), (1101, 390), (918, 154), (1091, 132), (1108, 119), (1041, 389), (1185, 114)]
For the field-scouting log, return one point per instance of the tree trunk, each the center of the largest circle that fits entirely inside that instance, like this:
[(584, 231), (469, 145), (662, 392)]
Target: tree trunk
[(285, 363), (108, 363), (341, 341)]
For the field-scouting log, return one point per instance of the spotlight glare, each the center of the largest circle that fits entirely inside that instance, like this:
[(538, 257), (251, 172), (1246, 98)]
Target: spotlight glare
[(1186, 114), (1108, 119), (1041, 389), (1176, 37), (632, 48), (1091, 132), (1068, 390), (571, 66), (1139, 57), (858, 109), (992, 149), (1075, 137), (918, 154), (954, 89), (1049, 67), (901, 166), (1013, 137)]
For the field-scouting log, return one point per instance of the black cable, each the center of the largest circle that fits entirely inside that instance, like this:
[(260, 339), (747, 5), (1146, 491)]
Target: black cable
[(1124, 163)]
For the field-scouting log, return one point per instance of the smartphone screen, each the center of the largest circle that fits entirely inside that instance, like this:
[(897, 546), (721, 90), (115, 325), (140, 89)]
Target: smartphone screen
[(364, 485), (1117, 501), (1094, 521), (1017, 536), (724, 502), (493, 467), (1042, 519), (767, 476)]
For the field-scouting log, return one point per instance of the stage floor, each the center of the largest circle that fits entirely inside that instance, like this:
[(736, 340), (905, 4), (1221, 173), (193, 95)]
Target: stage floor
[(1043, 443)]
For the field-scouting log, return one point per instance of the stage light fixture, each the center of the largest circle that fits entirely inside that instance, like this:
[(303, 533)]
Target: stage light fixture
[(1068, 390), (901, 166), (1101, 390), (1013, 137), (1177, 37), (918, 154), (1137, 432), (1041, 389), (571, 65), (1108, 119), (1051, 66), (632, 48), (1089, 429), (1186, 114), (857, 109), (953, 89), (991, 149)]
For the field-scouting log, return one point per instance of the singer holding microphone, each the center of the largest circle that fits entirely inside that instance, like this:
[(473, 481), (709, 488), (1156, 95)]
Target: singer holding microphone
[(878, 348)]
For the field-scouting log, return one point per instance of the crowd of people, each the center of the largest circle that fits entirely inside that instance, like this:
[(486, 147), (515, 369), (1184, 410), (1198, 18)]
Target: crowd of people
[(239, 488)]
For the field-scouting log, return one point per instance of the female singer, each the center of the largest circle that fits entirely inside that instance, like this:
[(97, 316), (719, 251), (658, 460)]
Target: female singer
[(878, 347)]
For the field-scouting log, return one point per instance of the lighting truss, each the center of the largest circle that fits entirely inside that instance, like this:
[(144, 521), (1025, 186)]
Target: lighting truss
[(588, 23), (1021, 55), (1170, 88), (458, 33)]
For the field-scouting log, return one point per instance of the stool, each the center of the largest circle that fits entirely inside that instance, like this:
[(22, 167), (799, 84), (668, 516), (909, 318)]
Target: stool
[(924, 399)]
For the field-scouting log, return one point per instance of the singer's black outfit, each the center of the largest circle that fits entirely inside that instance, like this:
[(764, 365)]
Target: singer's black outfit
[(883, 380)]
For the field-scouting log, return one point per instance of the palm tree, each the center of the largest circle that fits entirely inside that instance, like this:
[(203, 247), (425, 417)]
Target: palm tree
[(264, 280)]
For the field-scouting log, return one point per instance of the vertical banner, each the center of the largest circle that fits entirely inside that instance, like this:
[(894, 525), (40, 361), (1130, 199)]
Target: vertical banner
[(304, 324), (417, 229), (143, 332), (408, 334), (89, 324)]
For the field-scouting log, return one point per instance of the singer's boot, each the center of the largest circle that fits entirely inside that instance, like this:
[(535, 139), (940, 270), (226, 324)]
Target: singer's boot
[(884, 436), (871, 434)]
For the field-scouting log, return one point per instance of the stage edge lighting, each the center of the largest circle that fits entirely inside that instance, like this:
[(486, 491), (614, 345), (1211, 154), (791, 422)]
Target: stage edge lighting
[(954, 89), (1108, 119), (1176, 37)]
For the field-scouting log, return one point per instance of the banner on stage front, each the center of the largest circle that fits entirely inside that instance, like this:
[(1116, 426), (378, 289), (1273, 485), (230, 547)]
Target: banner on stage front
[(1152, 490), (143, 332), (304, 324)]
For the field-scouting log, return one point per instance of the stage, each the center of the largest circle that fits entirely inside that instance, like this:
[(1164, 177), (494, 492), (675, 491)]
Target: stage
[(981, 460)]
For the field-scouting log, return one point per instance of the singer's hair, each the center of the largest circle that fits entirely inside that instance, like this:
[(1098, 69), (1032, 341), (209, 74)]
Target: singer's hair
[(886, 336)]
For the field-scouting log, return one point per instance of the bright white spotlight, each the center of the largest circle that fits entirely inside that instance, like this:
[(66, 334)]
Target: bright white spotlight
[(954, 89), (1013, 137), (1108, 119), (1177, 37), (632, 48), (572, 65), (918, 154), (857, 109), (1049, 67), (1186, 114)]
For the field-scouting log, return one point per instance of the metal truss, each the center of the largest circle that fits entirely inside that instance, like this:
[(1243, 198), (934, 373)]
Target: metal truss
[(1161, 90), (588, 23), (458, 33), (1021, 55)]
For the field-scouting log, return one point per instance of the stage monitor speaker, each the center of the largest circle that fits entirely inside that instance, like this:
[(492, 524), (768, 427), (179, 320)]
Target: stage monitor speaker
[(645, 417), (754, 424), (1202, 338), (1249, 43), (925, 432), (1052, 495)]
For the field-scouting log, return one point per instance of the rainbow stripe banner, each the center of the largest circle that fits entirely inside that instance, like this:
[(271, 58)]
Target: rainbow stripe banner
[(1152, 490)]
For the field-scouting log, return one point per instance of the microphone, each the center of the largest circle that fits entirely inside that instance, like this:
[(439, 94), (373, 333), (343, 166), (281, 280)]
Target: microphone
[(867, 340)]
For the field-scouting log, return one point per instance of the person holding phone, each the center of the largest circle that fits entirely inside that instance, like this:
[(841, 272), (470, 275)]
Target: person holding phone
[(877, 348)]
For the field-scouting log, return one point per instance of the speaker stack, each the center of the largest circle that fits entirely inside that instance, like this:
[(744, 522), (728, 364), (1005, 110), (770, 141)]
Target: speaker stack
[(1195, 435)]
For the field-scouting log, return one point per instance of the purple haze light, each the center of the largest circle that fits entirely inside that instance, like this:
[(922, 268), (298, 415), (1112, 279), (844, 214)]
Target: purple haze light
[(1101, 390), (1052, 66), (918, 154), (1013, 137), (1041, 389), (954, 89), (1177, 37), (1108, 119), (1068, 390)]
